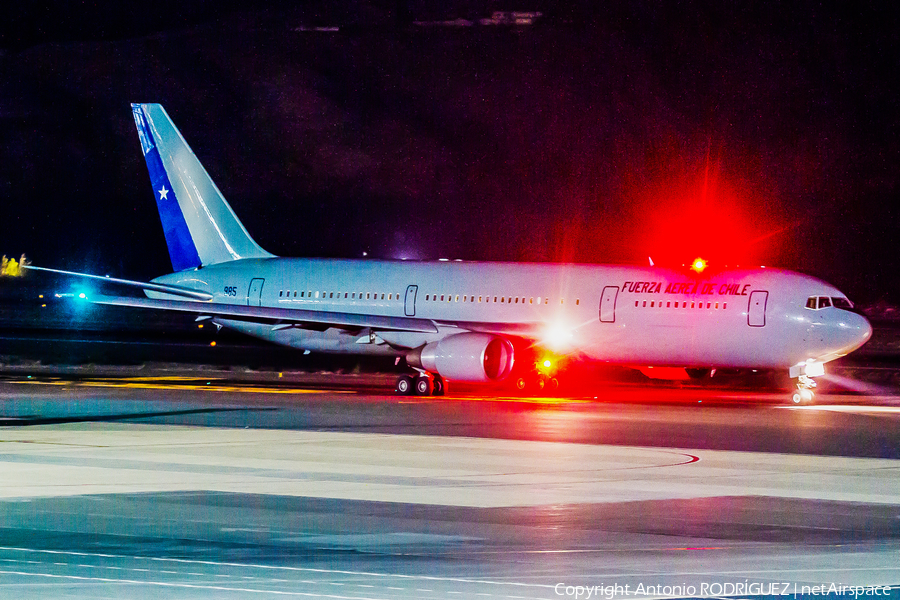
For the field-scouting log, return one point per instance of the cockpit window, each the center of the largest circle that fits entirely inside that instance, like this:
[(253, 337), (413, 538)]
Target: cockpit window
[(819, 302), (842, 303)]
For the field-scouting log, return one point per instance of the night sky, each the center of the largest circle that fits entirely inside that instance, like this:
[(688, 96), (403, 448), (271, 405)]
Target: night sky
[(748, 135)]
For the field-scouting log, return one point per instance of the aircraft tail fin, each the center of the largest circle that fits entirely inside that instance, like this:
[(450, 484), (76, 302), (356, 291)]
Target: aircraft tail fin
[(200, 226)]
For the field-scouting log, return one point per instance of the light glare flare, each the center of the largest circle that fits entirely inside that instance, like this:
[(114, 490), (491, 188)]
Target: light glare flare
[(698, 265), (558, 337)]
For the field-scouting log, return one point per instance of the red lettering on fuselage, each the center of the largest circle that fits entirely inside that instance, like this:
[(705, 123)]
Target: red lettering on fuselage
[(704, 288), (733, 289), (642, 287)]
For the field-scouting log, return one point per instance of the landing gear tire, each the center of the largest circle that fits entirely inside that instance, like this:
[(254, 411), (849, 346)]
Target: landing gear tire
[(424, 385), (804, 393), (535, 384), (803, 396), (405, 385), (439, 386)]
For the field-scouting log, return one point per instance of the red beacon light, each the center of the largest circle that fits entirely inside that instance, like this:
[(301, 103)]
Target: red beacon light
[(698, 265), (546, 364)]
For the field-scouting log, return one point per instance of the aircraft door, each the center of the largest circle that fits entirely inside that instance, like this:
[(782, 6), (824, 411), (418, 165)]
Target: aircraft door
[(756, 314), (410, 304), (254, 293), (608, 304)]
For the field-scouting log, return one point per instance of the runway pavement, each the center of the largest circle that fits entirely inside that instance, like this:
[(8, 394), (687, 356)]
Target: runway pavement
[(172, 488)]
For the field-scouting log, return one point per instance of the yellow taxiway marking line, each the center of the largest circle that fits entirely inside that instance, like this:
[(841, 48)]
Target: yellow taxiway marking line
[(549, 400), (849, 408), (192, 387), (154, 378), (146, 383)]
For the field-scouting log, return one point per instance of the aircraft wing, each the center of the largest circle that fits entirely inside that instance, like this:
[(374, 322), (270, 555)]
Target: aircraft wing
[(199, 303), (318, 317), (526, 329), (289, 315)]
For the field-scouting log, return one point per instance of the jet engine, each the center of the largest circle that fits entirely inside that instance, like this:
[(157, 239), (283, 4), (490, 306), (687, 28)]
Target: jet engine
[(473, 357)]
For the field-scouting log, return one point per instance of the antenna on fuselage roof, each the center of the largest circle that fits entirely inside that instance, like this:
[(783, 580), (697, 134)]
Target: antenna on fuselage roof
[(650, 258)]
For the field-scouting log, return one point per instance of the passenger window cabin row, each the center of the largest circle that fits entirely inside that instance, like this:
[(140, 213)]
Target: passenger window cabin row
[(495, 299), (310, 295), (332, 295), (676, 303)]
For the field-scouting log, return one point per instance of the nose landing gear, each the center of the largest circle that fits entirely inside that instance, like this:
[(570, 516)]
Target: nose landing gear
[(804, 393)]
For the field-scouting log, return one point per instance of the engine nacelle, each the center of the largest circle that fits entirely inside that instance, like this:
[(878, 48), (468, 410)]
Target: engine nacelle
[(474, 357)]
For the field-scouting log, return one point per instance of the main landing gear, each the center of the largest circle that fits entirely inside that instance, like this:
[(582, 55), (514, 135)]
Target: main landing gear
[(804, 393), (421, 384), (535, 383)]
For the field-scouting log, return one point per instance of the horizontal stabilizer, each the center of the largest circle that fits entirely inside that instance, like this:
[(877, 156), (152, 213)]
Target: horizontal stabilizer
[(156, 287)]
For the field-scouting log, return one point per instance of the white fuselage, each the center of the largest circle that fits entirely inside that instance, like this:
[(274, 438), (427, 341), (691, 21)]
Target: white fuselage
[(755, 318)]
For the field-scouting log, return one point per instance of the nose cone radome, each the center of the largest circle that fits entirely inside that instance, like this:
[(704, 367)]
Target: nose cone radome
[(857, 330)]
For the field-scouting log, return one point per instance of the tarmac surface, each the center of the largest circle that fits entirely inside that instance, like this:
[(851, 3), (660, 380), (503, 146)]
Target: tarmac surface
[(187, 487)]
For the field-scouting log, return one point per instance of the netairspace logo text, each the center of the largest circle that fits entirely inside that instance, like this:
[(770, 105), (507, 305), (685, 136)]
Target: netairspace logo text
[(714, 589)]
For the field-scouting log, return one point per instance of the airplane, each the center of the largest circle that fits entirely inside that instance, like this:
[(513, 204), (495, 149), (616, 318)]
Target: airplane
[(473, 321)]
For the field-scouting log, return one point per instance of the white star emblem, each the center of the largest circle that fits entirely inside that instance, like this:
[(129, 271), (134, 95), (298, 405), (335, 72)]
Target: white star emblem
[(163, 193)]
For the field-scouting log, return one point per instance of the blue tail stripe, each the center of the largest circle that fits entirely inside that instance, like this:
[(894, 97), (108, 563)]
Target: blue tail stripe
[(182, 250)]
